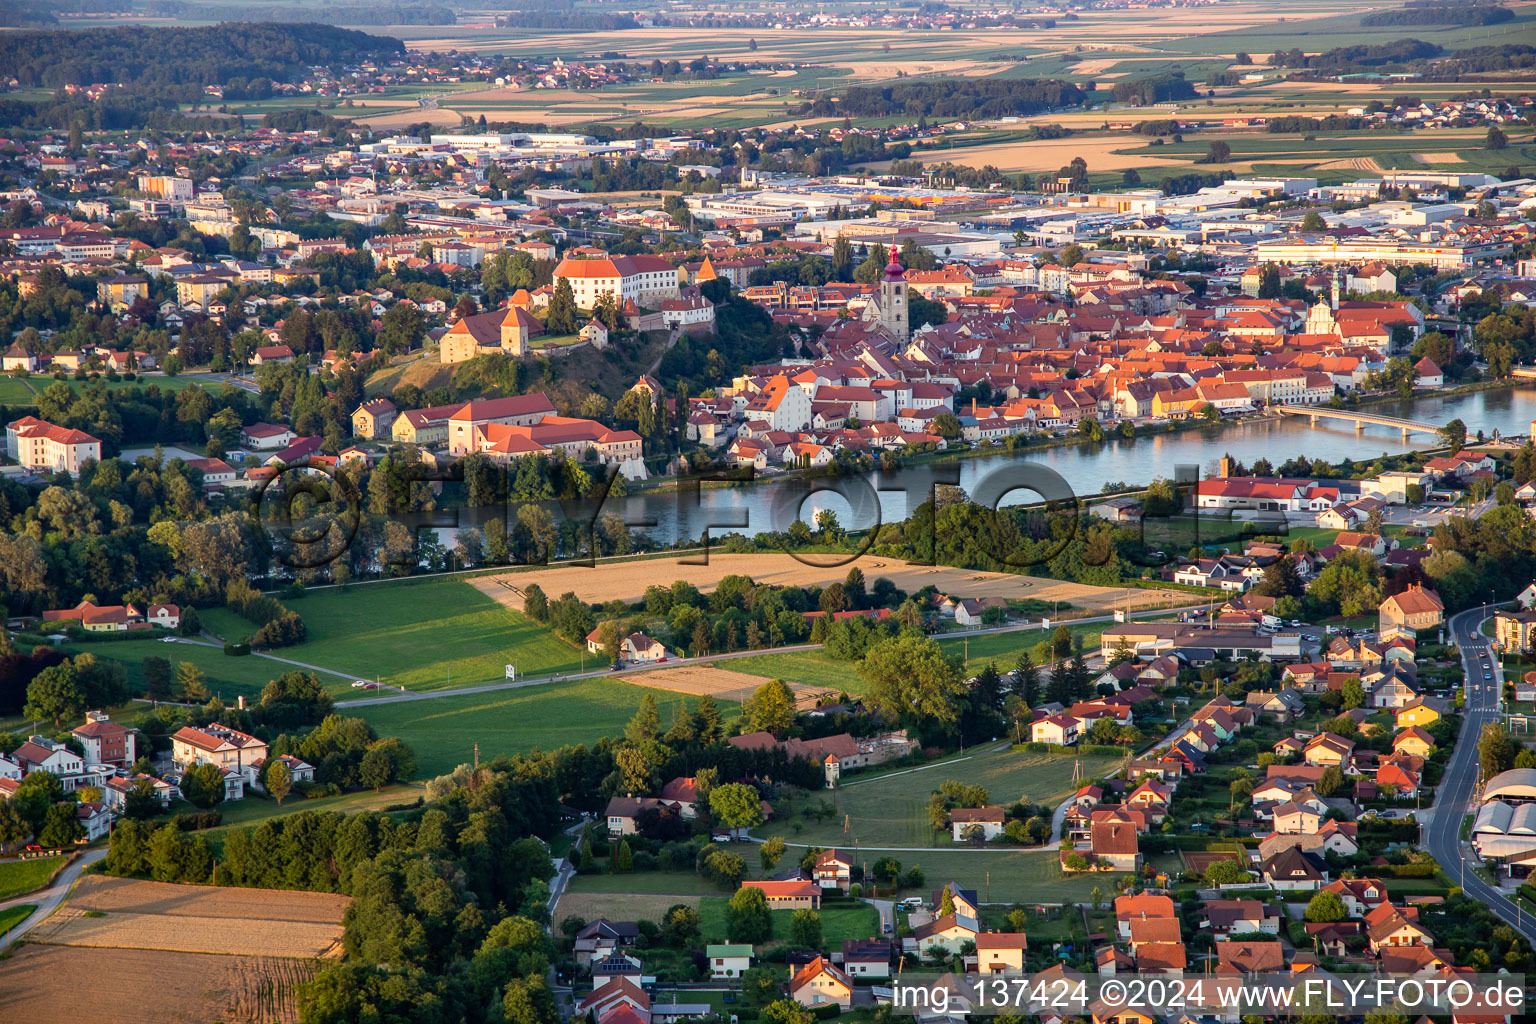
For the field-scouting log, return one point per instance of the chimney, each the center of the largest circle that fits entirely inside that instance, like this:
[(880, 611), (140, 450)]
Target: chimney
[(1226, 466), (973, 405), (240, 702)]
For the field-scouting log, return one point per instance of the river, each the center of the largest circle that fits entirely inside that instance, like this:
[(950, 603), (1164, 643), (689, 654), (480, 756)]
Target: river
[(1084, 468)]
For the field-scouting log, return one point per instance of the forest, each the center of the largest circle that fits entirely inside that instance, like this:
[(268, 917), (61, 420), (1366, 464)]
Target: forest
[(150, 57), (1440, 13), (329, 14), (952, 98)]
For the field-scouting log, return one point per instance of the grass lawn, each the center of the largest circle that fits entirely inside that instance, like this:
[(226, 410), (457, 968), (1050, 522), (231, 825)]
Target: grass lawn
[(809, 668), (1004, 648), (444, 730), (892, 810), (228, 677), (1008, 876), (255, 809), (15, 391), (14, 916), (21, 876), (424, 635), (837, 923)]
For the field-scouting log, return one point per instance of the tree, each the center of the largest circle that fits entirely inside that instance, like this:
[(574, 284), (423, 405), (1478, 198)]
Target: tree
[(1313, 221), (1219, 153), (910, 677), (771, 708), (736, 806), (61, 826), (946, 902), (770, 853), (191, 683), (1329, 782), (55, 694), (1496, 138), (1226, 872), (1353, 694), (561, 315), (279, 780), (376, 770), (1455, 435), (1496, 750), (1326, 907), (786, 1011), (1269, 281), (14, 829), (203, 785), (747, 918), (805, 929)]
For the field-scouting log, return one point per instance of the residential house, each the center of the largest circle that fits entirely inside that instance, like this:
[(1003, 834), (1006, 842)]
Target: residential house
[(1000, 952), (789, 894), (105, 741), (821, 983), (1415, 608), (728, 960), (976, 823), (832, 869), (1291, 870)]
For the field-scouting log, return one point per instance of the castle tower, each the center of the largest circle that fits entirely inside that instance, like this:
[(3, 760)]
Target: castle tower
[(514, 335)]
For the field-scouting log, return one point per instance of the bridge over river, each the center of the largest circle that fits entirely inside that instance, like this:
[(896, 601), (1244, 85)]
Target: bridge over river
[(1360, 419)]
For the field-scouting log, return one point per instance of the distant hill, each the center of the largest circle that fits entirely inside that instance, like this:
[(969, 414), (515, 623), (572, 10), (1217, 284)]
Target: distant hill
[(213, 55)]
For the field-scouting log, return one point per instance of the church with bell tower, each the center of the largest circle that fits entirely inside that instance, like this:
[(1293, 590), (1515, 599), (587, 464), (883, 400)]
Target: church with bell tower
[(889, 308)]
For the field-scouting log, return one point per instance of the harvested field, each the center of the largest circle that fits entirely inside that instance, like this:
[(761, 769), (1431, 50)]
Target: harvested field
[(130, 914), (717, 682), (46, 984), (626, 581), (1102, 154), (617, 906), (1355, 163), (1439, 158)]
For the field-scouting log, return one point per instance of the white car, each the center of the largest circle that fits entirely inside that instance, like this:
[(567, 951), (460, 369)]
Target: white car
[(358, 684), (168, 640)]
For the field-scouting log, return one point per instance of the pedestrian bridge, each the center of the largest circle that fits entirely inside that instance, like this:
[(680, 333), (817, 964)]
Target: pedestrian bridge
[(1360, 419), (1523, 372)]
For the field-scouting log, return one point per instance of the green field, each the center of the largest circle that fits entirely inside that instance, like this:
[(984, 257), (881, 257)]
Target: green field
[(256, 808), (228, 677), (891, 810), (443, 731), (14, 391), (423, 635), (809, 668), (651, 883), (14, 916), (837, 923), (23, 876)]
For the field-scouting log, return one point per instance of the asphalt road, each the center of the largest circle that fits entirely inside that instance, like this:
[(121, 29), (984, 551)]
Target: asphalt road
[(1458, 786)]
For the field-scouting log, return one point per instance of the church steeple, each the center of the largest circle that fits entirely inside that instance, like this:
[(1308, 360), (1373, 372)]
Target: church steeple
[(893, 298)]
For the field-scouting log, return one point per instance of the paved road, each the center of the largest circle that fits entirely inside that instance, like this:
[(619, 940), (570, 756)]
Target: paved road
[(1149, 613), (48, 899), (1458, 786)]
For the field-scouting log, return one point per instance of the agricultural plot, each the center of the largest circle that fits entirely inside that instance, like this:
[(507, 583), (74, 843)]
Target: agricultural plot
[(723, 684), (120, 913), (838, 923), (626, 581), (45, 983), (617, 906)]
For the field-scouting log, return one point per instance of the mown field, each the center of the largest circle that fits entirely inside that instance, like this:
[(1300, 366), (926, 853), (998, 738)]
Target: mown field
[(891, 810), (443, 731)]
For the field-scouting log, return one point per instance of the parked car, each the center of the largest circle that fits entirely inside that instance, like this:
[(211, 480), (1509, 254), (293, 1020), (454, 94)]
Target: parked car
[(358, 684)]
